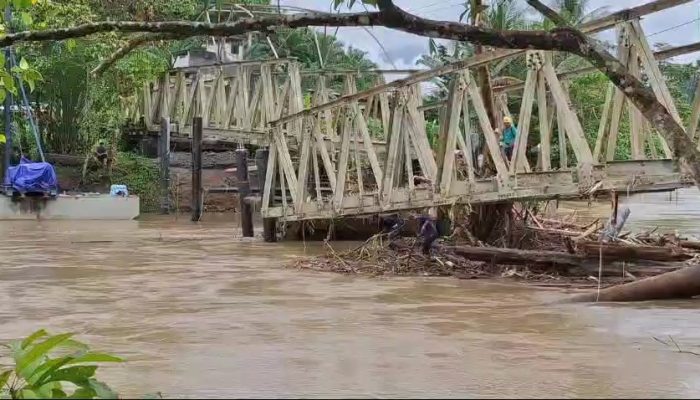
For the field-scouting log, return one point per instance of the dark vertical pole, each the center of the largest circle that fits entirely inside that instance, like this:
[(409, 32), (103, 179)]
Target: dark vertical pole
[(197, 169), (8, 102), (244, 191), (164, 154), (615, 200), (269, 224)]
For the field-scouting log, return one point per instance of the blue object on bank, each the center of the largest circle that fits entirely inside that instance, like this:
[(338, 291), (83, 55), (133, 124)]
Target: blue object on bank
[(32, 177), (118, 190)]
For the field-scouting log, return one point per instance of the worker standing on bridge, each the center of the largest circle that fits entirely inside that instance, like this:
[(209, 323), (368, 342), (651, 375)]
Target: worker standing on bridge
[(508, 136)]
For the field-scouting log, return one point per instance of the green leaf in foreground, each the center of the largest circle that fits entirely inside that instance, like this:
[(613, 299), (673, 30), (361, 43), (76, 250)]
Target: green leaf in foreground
[(34, 336), (40, 350)]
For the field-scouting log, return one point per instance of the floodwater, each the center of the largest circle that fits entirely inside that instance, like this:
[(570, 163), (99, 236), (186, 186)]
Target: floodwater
[(198, 312)]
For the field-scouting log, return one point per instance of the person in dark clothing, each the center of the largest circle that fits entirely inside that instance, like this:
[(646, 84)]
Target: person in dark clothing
[(392, 225), (101, 152), (428, 233), (421, 180)]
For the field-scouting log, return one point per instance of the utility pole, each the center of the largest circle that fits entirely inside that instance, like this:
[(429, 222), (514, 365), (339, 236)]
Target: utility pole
[(8, 99)]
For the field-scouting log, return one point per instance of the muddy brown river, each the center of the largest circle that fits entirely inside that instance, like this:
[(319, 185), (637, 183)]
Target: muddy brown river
[(199, 312)]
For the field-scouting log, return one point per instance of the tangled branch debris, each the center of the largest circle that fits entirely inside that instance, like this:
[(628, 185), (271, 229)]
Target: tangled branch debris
[(550, 252)]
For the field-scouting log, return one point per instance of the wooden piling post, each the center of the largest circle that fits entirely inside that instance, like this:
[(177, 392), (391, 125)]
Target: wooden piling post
[(269, 224), (243, 192), (197, 197), (615, 202), (164, 154)]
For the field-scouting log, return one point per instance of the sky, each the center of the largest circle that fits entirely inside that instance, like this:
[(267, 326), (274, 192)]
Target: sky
[(403, 49)]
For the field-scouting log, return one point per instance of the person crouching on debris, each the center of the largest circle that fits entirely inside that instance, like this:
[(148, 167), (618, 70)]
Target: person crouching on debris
[(419, 180), (392, 224), (101, 153), (508, 136), (427, 231)]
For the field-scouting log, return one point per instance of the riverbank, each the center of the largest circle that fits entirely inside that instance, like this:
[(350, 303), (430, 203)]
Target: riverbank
[(141, 176)]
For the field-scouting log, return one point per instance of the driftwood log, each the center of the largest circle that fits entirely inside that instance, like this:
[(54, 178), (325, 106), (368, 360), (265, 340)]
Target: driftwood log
[(620, 252), (689, 244), (680, 284), (184, 144), (67, 160), (588, 252), (516, 256)]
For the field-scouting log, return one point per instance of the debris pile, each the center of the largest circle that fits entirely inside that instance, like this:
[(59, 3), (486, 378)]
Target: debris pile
[(377, 256), (547, 252)]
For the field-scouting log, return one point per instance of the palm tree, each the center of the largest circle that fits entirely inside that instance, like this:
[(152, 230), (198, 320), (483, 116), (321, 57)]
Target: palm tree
[(500, 15), (330, 53), (575, 12)]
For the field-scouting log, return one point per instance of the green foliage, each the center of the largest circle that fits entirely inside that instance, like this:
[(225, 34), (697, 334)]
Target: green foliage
[(681, 80), (81, 109), (44, 364), (141, 176), (432, 130), (587, 93), (23, 71), (301, 44), (152, 10), (376, 130)]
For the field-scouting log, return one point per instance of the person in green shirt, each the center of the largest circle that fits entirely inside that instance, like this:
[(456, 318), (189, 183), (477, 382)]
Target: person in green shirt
[(510, 132)]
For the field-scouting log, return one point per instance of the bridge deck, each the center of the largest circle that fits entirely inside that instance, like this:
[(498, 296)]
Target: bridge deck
[(648, 176)]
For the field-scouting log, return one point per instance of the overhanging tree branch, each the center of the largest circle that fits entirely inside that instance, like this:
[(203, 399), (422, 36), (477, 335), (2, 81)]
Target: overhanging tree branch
[(390, 17), (129, 47)]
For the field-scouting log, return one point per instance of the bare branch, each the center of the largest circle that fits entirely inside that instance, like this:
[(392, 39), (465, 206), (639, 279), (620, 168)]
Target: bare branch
[(128, 48), (548, 13), (190, 28), (678, 348), (390, 17)]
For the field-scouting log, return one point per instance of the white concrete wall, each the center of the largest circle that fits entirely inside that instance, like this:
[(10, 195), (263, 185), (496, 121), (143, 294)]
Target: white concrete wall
[(95, 207)]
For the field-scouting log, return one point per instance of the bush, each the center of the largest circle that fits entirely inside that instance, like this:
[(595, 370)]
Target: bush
[(141, 176), (43, 368)]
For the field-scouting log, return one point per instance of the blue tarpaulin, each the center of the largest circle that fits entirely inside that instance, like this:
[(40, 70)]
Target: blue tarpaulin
[(32, 177)]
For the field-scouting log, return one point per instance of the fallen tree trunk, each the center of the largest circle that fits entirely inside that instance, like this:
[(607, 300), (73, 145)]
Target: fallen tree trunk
[(690, 244), (618, 252), (180, 143), (67, 160), (681, 284), (516, 256)]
